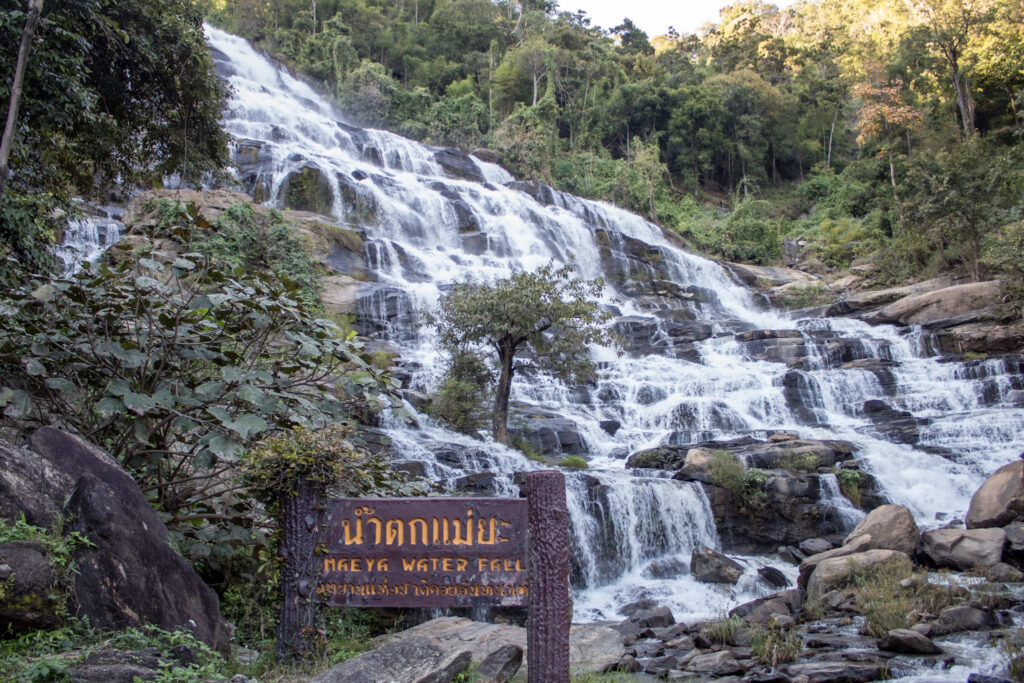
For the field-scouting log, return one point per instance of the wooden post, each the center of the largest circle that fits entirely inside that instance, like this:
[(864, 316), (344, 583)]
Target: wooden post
[(547, 633)]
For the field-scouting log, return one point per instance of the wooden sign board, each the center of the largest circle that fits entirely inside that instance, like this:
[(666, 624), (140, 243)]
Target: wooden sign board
[(424, 552)]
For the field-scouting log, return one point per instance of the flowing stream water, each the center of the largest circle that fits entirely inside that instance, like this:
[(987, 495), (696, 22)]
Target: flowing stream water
[(430, 217)]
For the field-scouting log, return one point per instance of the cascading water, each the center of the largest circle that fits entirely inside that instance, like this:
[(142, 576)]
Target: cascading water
[(692, 369), (85, 239)]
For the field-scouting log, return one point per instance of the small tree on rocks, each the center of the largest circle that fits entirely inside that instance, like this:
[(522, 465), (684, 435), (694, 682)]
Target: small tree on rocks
[(548, 311)]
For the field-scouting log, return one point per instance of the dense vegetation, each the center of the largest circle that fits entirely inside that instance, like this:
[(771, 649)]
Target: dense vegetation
[(849, 124), (116, 94)]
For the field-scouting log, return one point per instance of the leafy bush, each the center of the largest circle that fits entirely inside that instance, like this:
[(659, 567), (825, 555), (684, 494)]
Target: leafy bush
[(850, 482), (460, 402), (574, 462), (881, 596), (49, 655), (799, 462), (728, 471), (59, 548), (774, 645), (174, 370), (331, 457), (724, 629)]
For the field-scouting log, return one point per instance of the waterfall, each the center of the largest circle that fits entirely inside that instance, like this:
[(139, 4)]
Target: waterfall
[(701, 360), (85, 239)]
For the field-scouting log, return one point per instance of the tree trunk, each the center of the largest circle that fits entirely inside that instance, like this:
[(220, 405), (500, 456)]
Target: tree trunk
[(536, 85), (35, 8), (963, 99), (831, 132), (298, 575), (499, 418)]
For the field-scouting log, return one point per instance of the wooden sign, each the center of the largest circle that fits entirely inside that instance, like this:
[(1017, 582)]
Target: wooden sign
[(458, 552), (424, 552)]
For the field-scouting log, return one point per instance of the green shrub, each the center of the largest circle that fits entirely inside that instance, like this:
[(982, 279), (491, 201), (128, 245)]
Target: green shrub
[(60, 548), (774, 645), (799, 462), (795, 298), (850, 481), (174, 367), (726, 471), (574, 462), (724, 629), (460, 401), (885, 602), (747, 485)]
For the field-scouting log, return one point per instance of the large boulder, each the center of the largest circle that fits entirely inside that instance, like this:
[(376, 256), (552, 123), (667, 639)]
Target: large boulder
[(307, 189), (931, 308), (710, 566), (891, 527), (27, 586), (130, 575), (414, 659), (592, 647), (834, 572), (1000, 500), (853, 546), (963, 548)]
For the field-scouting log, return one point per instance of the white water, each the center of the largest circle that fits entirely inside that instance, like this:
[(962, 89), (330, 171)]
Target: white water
[(625, 526), (85, 239)]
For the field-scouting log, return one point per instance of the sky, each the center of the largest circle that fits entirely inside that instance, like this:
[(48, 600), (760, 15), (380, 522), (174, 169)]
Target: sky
[(653, 16)]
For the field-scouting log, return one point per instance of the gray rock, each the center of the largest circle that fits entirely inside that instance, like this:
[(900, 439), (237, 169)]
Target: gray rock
[(1004, 573), (27, 582), (891, 527), (961, 618), (963, 548), (500, 665), (761, 610), (773, 577), (653, 618), (631, 608), (413, 659), (837, 672), (458, 164), (813, 546), (715, 663), (1000, 499), (594, 648), (832, 572), (130, 576), (909, 642), (711, 566)]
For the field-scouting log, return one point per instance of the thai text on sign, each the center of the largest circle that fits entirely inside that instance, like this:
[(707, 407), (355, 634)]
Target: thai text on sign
[(424, 552)]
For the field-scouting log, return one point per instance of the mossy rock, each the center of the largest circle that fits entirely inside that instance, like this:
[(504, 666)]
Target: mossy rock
[(307, 189), (29, 598)]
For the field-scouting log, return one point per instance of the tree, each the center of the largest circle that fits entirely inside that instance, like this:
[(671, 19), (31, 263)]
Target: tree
[(953, 25), (548, 311), (34, 8)]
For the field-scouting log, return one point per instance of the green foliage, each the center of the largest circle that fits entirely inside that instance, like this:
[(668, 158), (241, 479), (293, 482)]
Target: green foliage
[(60, 549), (548, 311), (881, 596), (727, 471), (774, 645), (799, 462), (460, 400), (331, 458), (175, 367), (574, 462), (114, 92), (850, 481), (795, 298), (50, 655), (724, 630)]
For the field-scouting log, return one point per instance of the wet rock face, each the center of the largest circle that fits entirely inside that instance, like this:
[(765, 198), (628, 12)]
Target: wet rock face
[(131, 576), (547, 432), (307, 189), (27, 584), (458, 164), (1000, 499), (711, 566), (786, 511)]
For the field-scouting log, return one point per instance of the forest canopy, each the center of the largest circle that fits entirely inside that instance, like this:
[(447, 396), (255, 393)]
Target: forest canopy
[(845, 100)]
